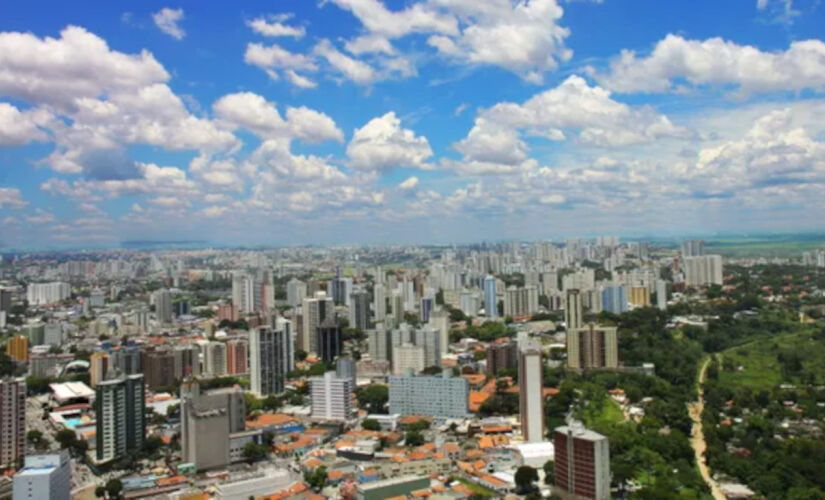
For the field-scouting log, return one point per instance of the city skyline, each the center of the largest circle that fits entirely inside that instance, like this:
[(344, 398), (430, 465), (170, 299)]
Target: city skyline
[(427, 120)]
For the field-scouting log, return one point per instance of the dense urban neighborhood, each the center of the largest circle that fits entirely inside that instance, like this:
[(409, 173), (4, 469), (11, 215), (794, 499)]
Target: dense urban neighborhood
[(565, 370)]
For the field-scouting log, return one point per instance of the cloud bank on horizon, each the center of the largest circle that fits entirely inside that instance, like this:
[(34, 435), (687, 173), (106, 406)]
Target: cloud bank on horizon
[(427, 120)]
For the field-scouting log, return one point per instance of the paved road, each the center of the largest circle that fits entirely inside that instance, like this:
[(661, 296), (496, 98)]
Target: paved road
[(697, 438)]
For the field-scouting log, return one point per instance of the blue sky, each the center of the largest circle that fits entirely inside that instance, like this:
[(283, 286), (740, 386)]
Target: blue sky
[(339, 121)]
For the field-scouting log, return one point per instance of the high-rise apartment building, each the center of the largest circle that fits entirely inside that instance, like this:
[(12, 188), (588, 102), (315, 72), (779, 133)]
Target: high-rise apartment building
[(329, 340), (215, 359), (17, 348), (44, 477), (501, 356), (440, 320), (163, 306), (531, 403), (120, 415), (296, 292), (207, 420), (331, 396), (703, 271), (614, 299), (340, 290), (271, 357), (12, 421), (639, 296), (592, 347), (315, 311), (40, 294), (693, 248), (359, 310), (521, 301), (661, 294), (406, 357), (237, 356), (490, 297), (436, 396), (345, 368), (187, 361), (379, 343), (582, 462), (159, 368), (98, 367), (573, 309), (379, 301)]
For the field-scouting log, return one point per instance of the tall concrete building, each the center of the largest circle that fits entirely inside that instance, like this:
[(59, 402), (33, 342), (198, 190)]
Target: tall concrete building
[(359, 310), (315, 310), (17, 348), (296, 292), (661, 294), (592, 347), (331, 396), (501, 356), (531, 403), (639, 296), (330, 342), (440, 320), (12, 421), (379, 343), (215, 358), (519, 302), (340, 290), (207, 420), (437, 396), (573, 309), (98, 367), (490, 297), (345, 368), (163, 306), (237, 357), (693, 248), (406, 357), (271, 357), (127, 359), (430, 339), (703, 271), (244, 290), (187, 361), (582, 463), (379, 301), (614, 299), (120, 413), (40, 294), (44, 477)]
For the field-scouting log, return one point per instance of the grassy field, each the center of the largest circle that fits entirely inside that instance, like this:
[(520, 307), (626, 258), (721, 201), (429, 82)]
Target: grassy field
[(477, 489), (765, 246), (601, 414), (757, 364)]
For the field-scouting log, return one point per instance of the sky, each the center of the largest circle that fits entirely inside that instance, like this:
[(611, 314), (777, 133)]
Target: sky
[(384, 121)]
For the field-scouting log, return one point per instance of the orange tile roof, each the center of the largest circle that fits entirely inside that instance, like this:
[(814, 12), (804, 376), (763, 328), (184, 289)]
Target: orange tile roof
[(335, 474), (269, 419), (479, 464), (493, 480), (551, 391), (474, 453), (477, 398), (450, 448), (497, 428), (312, 463), (421, 493), (291, 490), (419, 455), (169, 481)]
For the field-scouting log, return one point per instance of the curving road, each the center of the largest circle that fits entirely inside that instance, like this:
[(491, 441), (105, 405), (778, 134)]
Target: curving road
[(697, 436)]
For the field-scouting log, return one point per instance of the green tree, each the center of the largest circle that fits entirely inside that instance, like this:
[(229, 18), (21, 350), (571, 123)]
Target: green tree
[(414, 438), (114, 488), (253, 452), (35, 437), (317, 479), (373, 398), (371, 424), (549, 472), (525, 477)]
